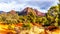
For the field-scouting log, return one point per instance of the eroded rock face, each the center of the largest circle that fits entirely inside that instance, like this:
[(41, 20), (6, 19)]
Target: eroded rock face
[(28, 10)]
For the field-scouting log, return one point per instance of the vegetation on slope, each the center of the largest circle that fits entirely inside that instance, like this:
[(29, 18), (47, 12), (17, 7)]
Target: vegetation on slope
[(12, 19)]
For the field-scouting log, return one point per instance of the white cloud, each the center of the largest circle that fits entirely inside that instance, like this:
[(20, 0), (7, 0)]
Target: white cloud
[(11, 6), (7, 5)]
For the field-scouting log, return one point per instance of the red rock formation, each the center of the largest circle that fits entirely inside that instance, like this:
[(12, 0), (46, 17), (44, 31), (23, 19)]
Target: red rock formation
[(38, 13), (34, 11), (12, 12)]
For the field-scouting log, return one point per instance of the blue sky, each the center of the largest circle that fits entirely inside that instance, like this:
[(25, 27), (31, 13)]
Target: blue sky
[(18, 5)]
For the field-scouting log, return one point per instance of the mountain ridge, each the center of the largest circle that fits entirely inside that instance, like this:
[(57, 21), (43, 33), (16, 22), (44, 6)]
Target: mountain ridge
[(26, 11)]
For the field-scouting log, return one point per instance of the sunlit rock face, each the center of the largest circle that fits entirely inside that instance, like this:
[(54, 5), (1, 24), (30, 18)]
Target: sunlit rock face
[(57, 31), (38, 13), (12, 12), (33, 30), (39, 30), (28, 10)]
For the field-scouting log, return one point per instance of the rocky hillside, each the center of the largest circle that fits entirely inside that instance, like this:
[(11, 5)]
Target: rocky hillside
[(27, 10)]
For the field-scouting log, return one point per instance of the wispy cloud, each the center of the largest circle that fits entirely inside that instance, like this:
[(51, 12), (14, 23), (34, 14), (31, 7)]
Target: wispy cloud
[(43, 5)]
